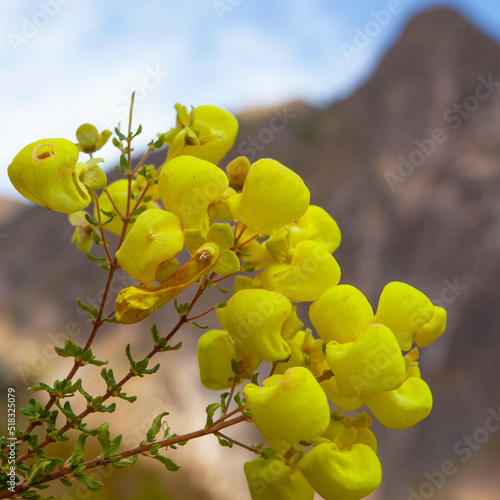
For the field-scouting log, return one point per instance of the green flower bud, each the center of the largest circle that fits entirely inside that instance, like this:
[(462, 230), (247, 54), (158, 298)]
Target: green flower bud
[(47, 172)]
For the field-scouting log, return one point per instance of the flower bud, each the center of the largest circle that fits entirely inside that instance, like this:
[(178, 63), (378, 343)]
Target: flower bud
[(237, 172), (188, 186), (289, 407), (341, 314), (311, 272), (272, 196), (403, 309), (155, 238), (342, 474), (272, 479), (403, 407), (47, 172), (254, 319), (373, 362)]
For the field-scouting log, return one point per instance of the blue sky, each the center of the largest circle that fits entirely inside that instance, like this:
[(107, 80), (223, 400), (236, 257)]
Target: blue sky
[(66, 62)]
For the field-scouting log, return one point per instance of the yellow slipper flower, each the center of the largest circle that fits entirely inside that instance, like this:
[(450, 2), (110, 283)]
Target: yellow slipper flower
[(47, 172), (272, 479), (188, 186), (341, 314), (342, 474), (155, 238), (289, 408), (272, 196), (311, 272), (403, 309), (373, 362), (432, 330)]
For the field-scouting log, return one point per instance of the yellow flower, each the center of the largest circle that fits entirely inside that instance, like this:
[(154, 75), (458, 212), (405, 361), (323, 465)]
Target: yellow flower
[(272, 479), (208, 133), (216, 350), (311, 272), (403, 407), (351, 473), (348, 403), (82, 236), (345, 431), (321, 227), (255, 319), (403, 309), (272, 196), (188, 186), (47, 172), (155, 238), (341, 314), (289, 408), (373, 362)]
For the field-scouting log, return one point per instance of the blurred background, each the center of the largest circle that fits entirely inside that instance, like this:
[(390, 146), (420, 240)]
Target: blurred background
[(388, 109)]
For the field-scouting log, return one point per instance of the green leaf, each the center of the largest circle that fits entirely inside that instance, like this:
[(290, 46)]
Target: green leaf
[(90, 220), (139, 130), (65, 482), (223, 290), (119, 134), (239, 401), (139, 210), (76, 457), (130, 359), (171, 348), (203, 327), (211, 409), (223, 398), (91, 483), (155, 427), (85, 307), (169, 464), (268, 452), (156, 335), (124, 162), (224, 442), (103, 438)]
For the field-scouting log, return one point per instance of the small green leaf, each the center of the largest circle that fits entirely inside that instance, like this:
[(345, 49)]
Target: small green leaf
[(155, 427), (90, 220), (211, 409), (169, 464), (224, 442), (91, 483)]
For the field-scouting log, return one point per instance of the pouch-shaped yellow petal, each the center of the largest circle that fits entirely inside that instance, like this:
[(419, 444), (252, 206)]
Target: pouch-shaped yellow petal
[(272, 479), (289, 407), (47, 172), (214, 130), (311, 272), (403, 309), (254, 319), (188, 186), (321, 227), (403, 407), (216, 349), (341, 314), (154, 239), (432, 330), (373, 362), (349, 474), (342, 402), (272, 196)]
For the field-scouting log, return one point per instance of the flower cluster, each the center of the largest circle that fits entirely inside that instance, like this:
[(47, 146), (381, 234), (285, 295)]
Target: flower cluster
[(255, 221)]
